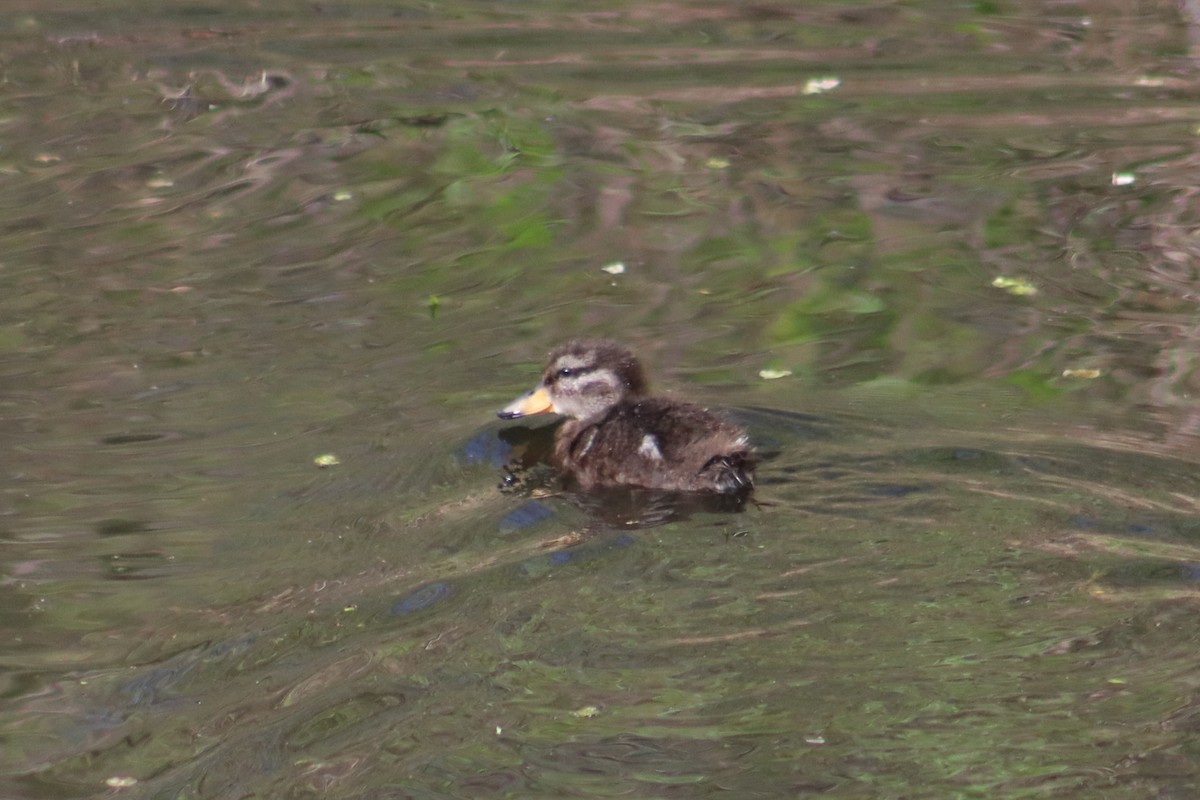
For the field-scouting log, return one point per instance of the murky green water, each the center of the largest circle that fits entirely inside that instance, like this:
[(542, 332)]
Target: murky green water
[(233, 240)]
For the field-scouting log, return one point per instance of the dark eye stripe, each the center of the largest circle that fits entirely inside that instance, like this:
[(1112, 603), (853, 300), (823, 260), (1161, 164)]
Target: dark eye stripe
[(570, 372)]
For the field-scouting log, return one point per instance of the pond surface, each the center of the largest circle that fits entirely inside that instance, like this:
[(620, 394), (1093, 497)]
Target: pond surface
[(940, 258)]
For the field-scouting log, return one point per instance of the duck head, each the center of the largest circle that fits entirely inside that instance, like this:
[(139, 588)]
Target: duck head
[(583, 379)]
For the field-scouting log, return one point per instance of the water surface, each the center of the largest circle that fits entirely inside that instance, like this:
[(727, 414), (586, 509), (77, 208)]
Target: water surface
[(955, 238)]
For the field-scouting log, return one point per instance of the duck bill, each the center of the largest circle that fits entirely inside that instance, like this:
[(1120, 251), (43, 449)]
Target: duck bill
[(535, 402)]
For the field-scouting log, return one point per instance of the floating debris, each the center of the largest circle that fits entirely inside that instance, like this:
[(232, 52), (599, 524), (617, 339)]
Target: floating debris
[(1123, 179), (327, 460), (773, 374), (717, 163), (1083, 374), (615, 268), (1018, 286), (826, 83), (587, 712)]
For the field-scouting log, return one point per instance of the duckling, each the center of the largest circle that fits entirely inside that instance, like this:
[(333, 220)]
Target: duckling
[(616, 434)]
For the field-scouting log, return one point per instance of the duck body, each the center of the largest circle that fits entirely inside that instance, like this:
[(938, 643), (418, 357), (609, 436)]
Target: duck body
[(617, 435), (655, 443)]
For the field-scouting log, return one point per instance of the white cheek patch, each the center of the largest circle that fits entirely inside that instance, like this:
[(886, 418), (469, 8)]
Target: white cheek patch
[(648, 449)]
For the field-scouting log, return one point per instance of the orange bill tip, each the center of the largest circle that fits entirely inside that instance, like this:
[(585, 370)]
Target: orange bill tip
[(535, 402)]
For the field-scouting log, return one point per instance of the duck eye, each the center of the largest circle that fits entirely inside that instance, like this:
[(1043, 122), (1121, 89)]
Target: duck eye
[(566, 372)]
